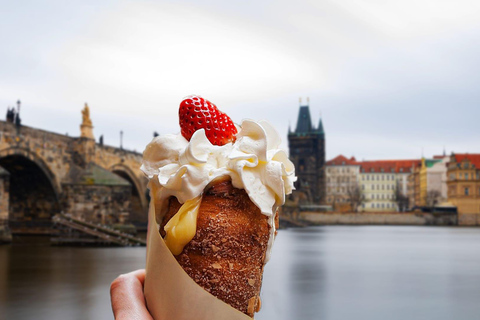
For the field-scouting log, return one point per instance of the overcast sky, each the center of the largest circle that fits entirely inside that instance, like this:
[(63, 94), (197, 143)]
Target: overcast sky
[(387, 77)]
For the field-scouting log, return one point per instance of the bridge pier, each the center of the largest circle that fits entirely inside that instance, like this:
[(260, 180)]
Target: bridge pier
[(5, 234)]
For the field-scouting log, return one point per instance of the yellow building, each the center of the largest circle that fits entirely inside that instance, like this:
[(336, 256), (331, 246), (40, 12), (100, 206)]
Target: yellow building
[(427, 184), (423, 183), (464, 186)]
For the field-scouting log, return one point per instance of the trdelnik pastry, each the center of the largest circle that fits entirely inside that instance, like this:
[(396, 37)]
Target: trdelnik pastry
[(216, 188)]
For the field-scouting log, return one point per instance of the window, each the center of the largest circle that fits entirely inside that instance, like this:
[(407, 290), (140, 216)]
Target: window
[(383, 177), (466, 176), (383, 187), (459, 176), (466, 191), (378, 178), (363, 187), (373, 206), (368, 177), (388, 177)]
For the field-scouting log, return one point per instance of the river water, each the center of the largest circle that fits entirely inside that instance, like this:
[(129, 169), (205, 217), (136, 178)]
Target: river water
[(328, 273)]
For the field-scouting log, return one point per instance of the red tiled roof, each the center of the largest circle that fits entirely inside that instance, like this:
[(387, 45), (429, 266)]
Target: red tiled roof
[(395, 166), (342, 160), (474, 158), (389, 165)]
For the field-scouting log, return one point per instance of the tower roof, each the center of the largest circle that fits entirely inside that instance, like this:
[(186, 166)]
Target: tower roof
[(304, 121), (320, 127)]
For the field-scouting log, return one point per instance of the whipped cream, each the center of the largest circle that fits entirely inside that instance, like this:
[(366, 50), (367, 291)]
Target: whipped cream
[(254, 163)]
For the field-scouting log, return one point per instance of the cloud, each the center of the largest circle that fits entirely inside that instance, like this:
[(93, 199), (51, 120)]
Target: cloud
[(377, 71)]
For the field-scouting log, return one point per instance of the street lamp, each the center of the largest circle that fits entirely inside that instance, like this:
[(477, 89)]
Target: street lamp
[(121, 139)]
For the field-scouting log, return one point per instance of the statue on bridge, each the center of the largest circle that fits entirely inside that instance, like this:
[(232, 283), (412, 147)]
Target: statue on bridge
[(86, 121), (11, 115), (86, 128)]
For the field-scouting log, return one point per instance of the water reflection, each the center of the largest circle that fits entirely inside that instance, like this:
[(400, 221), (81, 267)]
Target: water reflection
[(307, 274), (316, 273), (46, 282)]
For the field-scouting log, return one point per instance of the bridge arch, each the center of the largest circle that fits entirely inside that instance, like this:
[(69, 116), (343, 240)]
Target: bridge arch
[(34, 190), (139, 199)]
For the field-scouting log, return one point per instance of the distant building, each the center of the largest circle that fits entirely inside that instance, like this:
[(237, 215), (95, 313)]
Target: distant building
[(342, 187), (437, 177), (370, 186), (464, 186), (307, 152), (429, 182), (384, 184)]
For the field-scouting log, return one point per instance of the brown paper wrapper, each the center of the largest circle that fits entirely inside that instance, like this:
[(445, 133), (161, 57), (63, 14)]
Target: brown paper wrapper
[(170, 293)]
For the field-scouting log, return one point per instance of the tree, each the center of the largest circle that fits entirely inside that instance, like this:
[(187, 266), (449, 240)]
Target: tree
[(401, 199), (355, 197), (433, 198)]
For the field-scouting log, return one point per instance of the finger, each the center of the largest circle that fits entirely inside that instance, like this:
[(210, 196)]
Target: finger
[(127, 297)]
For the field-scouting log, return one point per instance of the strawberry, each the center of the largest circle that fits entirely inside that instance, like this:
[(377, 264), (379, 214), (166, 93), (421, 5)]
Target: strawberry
[(198, 113)]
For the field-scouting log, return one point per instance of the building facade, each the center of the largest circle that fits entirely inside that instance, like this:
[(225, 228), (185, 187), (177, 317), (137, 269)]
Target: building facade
[(369, 186), (463, 184), (384, 184), (307, 152), (429, 182), (342, 188)]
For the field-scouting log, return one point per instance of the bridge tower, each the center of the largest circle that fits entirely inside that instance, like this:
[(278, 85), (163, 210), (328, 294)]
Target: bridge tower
[(307, 152)]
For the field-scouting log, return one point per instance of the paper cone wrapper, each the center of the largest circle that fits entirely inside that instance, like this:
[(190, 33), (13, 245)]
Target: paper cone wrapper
[(170, 293)]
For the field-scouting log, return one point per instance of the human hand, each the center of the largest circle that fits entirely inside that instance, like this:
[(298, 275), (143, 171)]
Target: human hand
[(128, 301)]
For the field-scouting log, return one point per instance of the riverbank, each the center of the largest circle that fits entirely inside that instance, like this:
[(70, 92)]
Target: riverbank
[(378, 218)]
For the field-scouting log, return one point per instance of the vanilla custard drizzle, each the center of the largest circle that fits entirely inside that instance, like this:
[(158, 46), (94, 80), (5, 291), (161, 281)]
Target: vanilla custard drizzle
[(182, 227)]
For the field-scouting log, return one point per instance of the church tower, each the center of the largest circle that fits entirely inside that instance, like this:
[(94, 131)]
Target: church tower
[(307, 152)]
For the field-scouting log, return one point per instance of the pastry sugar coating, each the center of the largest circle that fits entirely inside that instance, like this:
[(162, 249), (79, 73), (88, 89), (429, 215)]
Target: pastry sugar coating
[(227, 255)]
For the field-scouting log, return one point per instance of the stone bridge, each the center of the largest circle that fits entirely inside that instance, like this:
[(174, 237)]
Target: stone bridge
[(48, 173)]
